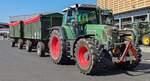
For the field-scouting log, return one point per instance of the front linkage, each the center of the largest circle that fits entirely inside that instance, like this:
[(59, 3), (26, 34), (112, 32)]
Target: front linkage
[(125, 53)]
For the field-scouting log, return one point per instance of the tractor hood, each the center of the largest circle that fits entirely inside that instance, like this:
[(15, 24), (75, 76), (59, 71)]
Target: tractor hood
[(103, 33)]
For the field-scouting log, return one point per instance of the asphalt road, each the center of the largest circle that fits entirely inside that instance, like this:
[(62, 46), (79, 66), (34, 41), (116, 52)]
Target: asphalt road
[(19, 65)]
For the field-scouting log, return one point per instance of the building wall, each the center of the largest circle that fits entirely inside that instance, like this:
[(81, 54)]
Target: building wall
[(120, 6)]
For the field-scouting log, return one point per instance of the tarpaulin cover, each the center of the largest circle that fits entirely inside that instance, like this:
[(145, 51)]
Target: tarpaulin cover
[(14, 23), (32, 20)]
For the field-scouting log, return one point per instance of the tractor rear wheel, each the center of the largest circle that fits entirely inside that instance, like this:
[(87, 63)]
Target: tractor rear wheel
[(20, 43), (12, 42), (146, 40), (28, 46), (86, 56), (57, 48), (41, 49)]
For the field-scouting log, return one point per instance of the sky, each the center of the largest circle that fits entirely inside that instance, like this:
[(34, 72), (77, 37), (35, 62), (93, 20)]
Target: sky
[(22, 7)]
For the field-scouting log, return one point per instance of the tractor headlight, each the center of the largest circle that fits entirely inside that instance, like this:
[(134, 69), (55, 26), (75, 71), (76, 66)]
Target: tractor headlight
[(115, 51)]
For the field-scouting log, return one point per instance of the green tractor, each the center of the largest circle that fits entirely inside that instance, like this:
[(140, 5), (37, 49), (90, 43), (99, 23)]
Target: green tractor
[(88, 37), (142, 31)]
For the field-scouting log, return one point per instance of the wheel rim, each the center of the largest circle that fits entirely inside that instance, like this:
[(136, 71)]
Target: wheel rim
[(38, 50), (12, 44), (83, 57), (27, 47), (55, 47), (19, 45), (146, 40)]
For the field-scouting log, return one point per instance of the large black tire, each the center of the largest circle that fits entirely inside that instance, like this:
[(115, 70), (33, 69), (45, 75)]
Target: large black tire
[(146, 40), (57, 47), (12, 42), (28, 46), (20, 43), (41, 49), (86, 56)]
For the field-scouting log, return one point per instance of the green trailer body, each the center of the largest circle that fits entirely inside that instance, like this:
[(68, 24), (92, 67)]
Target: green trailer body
[(16, 29), (38, 27)]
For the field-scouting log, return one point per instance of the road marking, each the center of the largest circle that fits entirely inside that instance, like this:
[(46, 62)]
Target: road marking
[(145, 49), (146, 60)]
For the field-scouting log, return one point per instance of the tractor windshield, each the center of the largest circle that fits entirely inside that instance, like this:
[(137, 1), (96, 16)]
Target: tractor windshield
[(87, 16), (143, 25)]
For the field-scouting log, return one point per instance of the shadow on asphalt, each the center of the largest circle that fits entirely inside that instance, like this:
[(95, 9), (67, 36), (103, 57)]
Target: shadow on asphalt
[(142, 69)]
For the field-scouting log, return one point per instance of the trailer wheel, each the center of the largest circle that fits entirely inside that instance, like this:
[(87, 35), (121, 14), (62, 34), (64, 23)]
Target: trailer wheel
[(20, 43), (146, 40), (12, 42), (41, 49), (86, 56), (57, 48), (28, 46)]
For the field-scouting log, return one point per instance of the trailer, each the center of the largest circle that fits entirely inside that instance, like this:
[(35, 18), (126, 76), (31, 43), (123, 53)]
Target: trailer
[(33, 33), (84, 34), (4, 30), (16, 32)]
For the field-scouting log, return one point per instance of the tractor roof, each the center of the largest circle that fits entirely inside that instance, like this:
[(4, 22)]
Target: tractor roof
[(80, 6)]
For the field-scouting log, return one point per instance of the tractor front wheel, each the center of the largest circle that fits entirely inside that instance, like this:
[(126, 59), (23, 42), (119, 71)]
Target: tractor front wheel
[(57, 48), (86, 56), (40, 49), (146, 40)]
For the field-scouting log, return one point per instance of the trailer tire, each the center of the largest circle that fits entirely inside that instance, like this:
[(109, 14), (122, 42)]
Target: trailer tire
[(20, 43), (57, 47), (12, 42), (28, 46), (41, 49), (86, 56)]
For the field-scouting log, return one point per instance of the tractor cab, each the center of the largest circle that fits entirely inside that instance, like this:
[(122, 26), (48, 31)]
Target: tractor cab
[(106, 17), (81, 14), (88, 14), (77, 16), (141, 25)]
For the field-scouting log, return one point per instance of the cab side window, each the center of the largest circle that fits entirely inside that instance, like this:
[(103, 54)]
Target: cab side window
[(70, 16)]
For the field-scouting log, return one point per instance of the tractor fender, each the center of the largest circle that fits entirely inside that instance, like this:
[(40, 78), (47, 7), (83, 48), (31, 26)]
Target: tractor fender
[(60, 29), (82, 36)]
